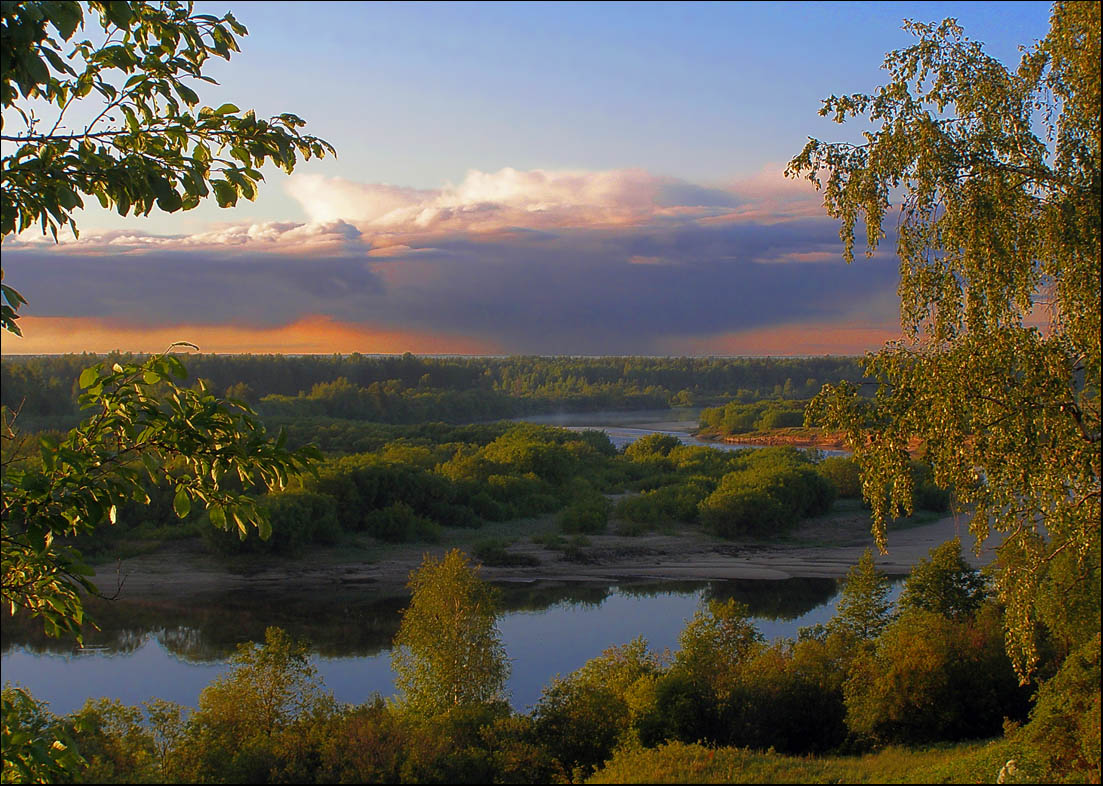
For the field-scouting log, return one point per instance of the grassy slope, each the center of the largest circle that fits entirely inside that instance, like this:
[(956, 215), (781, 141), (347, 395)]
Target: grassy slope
[(680, 763)]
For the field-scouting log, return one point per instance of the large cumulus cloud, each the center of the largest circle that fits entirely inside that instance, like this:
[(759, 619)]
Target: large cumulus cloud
[(551, 262)]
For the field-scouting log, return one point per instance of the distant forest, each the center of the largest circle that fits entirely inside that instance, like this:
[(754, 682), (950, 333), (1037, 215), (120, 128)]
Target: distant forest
[(409, 389)]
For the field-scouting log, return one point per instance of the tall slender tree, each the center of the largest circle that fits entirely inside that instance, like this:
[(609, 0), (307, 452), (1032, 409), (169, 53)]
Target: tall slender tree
[(990, 177), (448, 651)]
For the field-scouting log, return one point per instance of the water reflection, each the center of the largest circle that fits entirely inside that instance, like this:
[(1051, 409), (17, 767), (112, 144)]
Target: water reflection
[(358, 623), (174, 649)]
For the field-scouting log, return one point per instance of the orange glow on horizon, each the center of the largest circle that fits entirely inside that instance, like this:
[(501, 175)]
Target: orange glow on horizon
[(309, 335), (808, 338)]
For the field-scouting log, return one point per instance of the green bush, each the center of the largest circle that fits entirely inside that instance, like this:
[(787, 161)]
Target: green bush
[(735, 512), (588, 514), (651, 446), (933, 679), (299, 519), (780, 418), (582, 717), (926, 494), (398, 523), (844, 475), (1064, 730)]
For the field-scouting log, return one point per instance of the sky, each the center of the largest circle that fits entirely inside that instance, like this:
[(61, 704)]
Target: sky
[(534, 178)]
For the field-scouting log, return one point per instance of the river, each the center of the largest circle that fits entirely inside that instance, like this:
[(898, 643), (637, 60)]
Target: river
[(172, 650)]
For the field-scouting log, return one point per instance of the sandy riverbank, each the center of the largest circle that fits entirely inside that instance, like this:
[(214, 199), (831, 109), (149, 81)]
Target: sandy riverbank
[(823, 547)]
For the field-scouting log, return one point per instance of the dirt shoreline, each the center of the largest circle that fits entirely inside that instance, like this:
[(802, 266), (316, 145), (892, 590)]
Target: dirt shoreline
[(823, 548)]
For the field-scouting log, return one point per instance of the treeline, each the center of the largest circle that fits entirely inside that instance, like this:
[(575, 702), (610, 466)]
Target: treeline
[(409, 389), (929, 669)]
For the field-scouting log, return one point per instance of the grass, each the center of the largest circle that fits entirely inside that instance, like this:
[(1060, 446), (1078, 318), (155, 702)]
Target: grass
[(978, 762)]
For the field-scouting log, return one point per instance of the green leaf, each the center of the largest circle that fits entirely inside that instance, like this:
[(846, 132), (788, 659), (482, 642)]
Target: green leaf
[(225, 193), (181, 503), (119, 13), (66, 17), (88, 376)]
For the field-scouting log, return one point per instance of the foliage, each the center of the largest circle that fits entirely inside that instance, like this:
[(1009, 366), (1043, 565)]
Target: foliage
[(148, 143), (143, 424), (34, 751), (714, 643), (844, 475), (652, 445), (398, 523), (740, 417), (1064, 732), (679, 762), (448, 651), (250, 718), (297, 518), (864, 608), (769, 491), (267, 688), (582, 717), (114, 743), (932, 678), (945, 584), (588, 513), (330, 399), (998, 228)]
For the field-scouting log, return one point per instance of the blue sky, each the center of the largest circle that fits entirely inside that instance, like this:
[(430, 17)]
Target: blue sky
[(607, 125)]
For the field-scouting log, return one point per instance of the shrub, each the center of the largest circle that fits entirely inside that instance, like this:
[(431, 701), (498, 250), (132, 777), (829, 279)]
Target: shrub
[(299, 519), (398, 523), (651, 446), (926, 494), (933, 679), (641, 509), (735, 512), (780, 418), (588, 514), (1064, 729), (582, 717), (843, 473)]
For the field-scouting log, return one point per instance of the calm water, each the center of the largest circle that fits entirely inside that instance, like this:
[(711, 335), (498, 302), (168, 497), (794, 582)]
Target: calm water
[(624, 428), (173, 650)]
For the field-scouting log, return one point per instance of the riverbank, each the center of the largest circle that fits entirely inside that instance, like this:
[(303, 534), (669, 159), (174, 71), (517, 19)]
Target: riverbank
[(824, 547), (796, 437)]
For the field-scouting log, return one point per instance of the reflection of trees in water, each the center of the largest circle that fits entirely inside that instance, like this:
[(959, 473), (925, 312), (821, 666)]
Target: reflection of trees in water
[(782, 599), (538, 596), (342, 622), (186, 643), (653, 588)]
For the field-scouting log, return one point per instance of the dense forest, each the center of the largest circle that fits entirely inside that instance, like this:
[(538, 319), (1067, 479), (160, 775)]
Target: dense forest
[(409, 389)]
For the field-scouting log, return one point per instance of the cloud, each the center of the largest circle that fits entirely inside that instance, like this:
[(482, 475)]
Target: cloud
[(543, 199), (524, 262), (288, 237)]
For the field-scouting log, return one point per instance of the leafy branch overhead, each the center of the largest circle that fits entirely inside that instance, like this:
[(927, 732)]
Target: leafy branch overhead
[(114, 116), (142, 426)]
